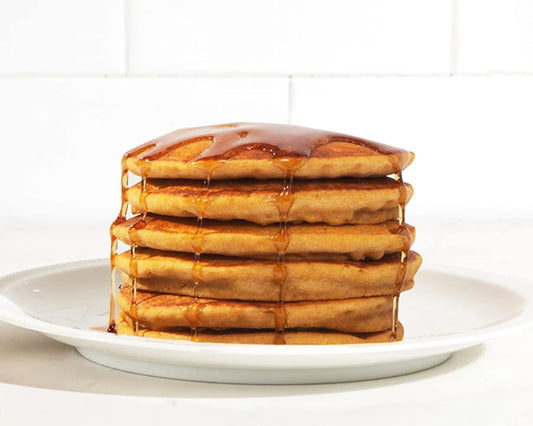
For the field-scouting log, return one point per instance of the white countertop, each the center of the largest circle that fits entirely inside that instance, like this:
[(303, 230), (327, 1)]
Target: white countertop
[(47, 382)]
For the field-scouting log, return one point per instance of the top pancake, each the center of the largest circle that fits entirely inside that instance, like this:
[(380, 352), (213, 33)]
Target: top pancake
[(263, 151)]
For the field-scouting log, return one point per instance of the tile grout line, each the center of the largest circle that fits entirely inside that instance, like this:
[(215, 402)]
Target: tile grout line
[(494, 73), (219, 75), (126, 30), (453, 38), (290, 100)]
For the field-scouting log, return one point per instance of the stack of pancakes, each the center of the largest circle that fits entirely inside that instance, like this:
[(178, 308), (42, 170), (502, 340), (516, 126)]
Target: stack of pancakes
[(263, 233)]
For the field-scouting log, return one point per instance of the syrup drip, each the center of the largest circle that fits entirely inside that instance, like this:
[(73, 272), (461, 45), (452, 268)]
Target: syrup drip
[(403, 230), (121, 218), (281, 241), (112, 297), (283, 202), (133, 230), (194, 309)]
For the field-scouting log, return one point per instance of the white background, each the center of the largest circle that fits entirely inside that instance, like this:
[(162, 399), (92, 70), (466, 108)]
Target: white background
[(83, 81)]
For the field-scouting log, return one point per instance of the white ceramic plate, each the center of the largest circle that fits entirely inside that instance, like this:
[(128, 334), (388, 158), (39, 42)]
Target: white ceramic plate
[(445, 312)]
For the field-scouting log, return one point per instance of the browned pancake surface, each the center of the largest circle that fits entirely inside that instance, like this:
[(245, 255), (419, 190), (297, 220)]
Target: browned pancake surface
[(246, 279), (239, 238), (336, 202), (157, 310), (258, 337)]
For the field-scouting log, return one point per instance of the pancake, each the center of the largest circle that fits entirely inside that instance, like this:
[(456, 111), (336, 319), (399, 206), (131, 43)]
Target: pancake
[(160, 310), (253, 280), (335, 202), (239, 238), (263, 151), (290, 337)]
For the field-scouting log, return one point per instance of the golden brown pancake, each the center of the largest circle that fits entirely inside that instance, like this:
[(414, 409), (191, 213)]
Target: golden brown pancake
[(247, 279), (160, 310), (334, 201), (239, 238), (290, 337), (263, 151), (300, 237)]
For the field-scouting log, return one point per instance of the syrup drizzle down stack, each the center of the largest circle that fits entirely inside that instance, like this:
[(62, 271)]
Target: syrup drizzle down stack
[(404, 254), (283, 202), (194, 309), (290, 148), (133, 229), (121, 218)]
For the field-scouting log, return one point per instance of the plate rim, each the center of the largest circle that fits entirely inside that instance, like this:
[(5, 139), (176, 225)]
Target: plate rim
[(524, 320)]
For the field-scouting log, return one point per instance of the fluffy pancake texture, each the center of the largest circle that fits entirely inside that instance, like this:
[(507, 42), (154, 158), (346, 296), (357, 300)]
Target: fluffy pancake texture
[(361, 315), (248, 279), (335, 202), (264, 234), (258, 337), (237, 238)]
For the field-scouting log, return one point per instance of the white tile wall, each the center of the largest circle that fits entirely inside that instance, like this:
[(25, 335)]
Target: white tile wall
[(62, 139), (389, 70), (298, 36), (61, 36), (472, 136), (495, 35)]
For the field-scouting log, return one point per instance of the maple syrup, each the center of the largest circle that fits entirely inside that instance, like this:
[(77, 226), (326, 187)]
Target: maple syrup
[(132, 237), (194, 309), (121, 218), (228, 140), (403, 230), (283, 202)]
